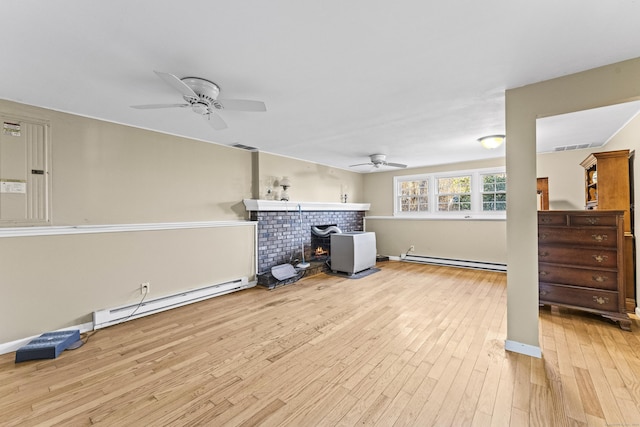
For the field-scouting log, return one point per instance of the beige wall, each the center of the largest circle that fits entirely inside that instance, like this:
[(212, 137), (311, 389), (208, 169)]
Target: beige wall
[(52, 282), (590, 89), (104, 173), (473, 240), (310, 182), (566, 176)]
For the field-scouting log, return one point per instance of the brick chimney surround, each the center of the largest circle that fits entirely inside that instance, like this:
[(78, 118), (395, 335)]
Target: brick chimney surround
[(281, 232)]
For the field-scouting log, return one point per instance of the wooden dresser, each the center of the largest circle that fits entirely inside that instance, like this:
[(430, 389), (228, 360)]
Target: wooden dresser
[(581, 262), (609, 185)]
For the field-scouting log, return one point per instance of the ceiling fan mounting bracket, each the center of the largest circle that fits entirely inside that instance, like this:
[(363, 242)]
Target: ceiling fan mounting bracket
[(202, 87), (378, 159), (207, 92)]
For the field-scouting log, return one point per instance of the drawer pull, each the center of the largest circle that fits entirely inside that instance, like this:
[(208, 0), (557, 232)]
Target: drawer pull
[(543, 293), (543, 236), (592, 220), (599, 237), (543, 254), (545, 219), (600, 300), (600, 258), (599, 279), (544, 273)]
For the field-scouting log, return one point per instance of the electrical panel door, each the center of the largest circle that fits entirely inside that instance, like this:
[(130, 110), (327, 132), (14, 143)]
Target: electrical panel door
[(24, 172)]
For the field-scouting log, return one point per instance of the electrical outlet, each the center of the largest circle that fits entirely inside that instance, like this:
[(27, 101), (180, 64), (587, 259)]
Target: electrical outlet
[(145, 288), (412, 248)]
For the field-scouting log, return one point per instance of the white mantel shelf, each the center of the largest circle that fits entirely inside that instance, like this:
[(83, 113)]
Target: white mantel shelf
[(277, 205)]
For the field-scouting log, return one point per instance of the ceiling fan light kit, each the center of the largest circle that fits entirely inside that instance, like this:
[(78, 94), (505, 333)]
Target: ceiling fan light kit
[(202, 96), (491, 142)]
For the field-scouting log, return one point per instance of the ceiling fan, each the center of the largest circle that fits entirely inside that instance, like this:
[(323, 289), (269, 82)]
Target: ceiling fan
[(378, 160), (202, 97)]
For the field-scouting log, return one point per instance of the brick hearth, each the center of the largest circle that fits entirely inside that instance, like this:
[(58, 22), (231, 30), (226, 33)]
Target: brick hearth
[(280, 233)]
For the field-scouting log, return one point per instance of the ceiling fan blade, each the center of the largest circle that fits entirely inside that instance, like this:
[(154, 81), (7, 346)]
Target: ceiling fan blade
[(177, 84), (215, 121), (152, 106), (396, 165), (361, 164), (242, 105)]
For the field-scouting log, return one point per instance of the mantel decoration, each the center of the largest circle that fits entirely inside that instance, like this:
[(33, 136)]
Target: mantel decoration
[(284, 183)]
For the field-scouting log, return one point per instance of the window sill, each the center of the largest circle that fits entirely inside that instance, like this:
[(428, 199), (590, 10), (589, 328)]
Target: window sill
[(469, 217)]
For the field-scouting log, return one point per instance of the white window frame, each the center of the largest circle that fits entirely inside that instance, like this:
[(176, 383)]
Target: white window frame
[(482, 192), (476, 211), (437, 195), (398, 196)]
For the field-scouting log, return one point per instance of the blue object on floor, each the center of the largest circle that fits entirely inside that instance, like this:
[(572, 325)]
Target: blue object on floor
[(47, 346)]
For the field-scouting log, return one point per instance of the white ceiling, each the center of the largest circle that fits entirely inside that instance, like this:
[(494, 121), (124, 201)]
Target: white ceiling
[(417, 80), (583, 129)]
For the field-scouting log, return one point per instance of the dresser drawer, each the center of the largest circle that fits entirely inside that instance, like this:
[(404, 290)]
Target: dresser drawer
[(590, 236), (552, 218), (589, 298), (593, 220), (588, 257), (599, 279)]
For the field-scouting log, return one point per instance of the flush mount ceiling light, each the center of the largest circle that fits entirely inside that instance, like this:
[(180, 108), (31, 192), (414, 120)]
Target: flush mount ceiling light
[(491, 141)]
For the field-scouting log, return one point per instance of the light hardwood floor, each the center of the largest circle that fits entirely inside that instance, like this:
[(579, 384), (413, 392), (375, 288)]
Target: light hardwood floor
[(411, 345)]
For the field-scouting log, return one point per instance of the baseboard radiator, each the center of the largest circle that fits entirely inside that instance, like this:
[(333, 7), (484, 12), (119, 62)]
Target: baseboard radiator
[(108, 317), (480, 265)]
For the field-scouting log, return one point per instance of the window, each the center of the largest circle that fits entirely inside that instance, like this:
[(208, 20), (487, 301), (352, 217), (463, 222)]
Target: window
[(454, 193), (414, 196), (494, 192), (463, 194)]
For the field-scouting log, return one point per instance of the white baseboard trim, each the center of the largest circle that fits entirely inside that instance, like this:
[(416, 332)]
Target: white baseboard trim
[(15, 345), (526, 349), (115, 315), (117, 228), (450, 262), (638, 311), (90, 326)]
